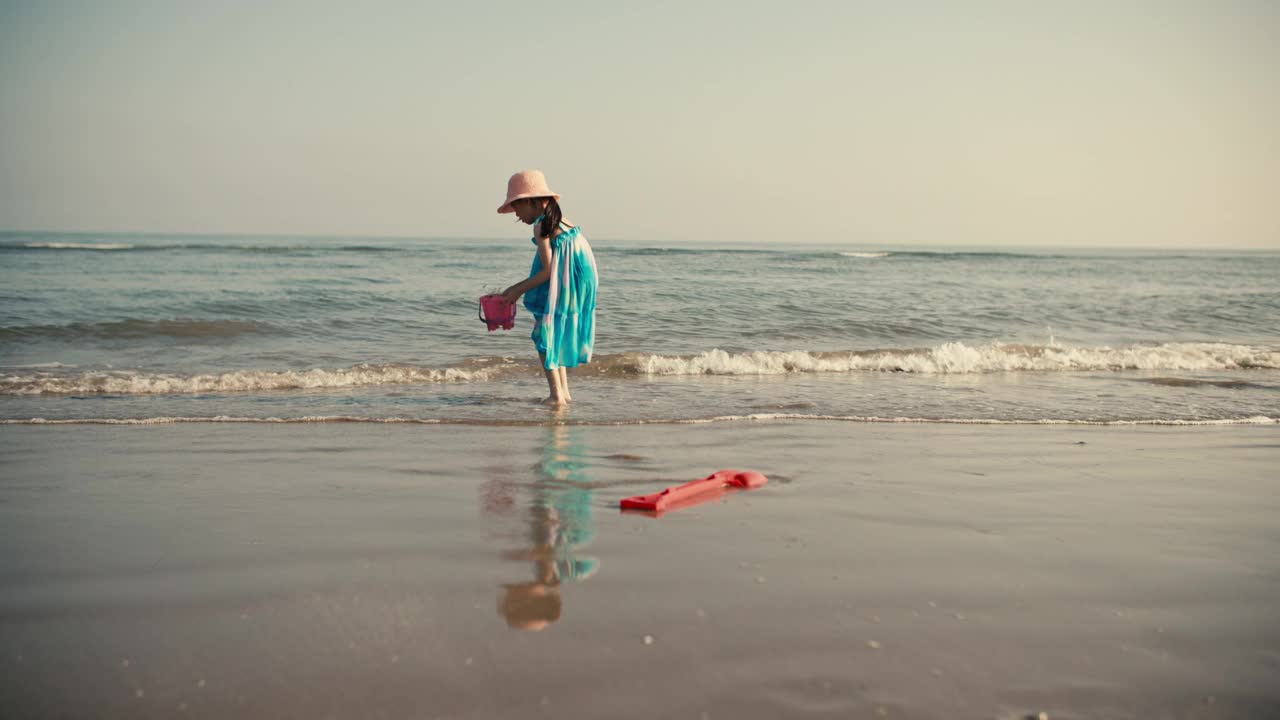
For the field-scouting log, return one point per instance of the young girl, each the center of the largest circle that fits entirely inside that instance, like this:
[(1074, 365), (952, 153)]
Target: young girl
[(561, 288)]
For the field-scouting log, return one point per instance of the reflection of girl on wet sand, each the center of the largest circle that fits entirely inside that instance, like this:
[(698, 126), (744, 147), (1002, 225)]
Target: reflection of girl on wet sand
[(559, 523)]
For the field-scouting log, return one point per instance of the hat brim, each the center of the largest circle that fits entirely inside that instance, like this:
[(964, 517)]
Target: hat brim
[(506, 206)]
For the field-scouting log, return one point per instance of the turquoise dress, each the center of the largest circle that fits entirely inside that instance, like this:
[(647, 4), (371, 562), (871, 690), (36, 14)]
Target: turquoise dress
[(564, 307)]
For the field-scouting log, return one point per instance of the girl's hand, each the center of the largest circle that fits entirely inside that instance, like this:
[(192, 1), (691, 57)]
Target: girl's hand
[(512, 294)]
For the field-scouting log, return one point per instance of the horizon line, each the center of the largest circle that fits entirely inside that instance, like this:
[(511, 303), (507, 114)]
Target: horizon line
[(357, 236)]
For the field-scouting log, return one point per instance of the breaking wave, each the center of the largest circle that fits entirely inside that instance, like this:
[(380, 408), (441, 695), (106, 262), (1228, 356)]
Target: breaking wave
[(135, 383), (949, 358), (959, 358)]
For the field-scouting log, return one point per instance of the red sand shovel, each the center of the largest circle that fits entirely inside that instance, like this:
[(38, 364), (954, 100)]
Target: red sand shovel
[(695, 492)]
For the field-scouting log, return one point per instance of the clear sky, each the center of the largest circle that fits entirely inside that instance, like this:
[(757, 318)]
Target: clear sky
[(1083, 122)]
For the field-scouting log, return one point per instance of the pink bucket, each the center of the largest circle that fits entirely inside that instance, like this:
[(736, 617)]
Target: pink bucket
[(496, 312)]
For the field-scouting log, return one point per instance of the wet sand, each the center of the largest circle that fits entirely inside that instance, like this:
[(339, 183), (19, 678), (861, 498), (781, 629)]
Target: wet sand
[(361, 571)]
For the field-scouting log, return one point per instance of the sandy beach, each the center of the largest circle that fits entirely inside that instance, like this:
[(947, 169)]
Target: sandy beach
[(364, 571)]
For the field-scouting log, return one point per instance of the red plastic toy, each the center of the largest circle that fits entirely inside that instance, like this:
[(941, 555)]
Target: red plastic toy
[(696, 491), (496, 312)]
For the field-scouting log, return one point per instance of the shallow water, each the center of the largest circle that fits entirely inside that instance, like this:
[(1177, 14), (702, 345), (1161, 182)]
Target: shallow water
[(149, 327)]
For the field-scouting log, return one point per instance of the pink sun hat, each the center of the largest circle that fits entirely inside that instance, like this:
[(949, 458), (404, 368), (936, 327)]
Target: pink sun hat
[(526, 184)]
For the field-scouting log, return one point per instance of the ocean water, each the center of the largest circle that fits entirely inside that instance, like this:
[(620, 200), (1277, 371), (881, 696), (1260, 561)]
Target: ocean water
[(163, 328)]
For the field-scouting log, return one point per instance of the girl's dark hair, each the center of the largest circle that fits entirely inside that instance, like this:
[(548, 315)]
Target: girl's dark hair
[(550, 218)]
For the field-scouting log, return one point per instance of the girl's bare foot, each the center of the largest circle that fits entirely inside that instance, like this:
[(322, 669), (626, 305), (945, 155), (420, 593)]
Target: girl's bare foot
[(555, 402)]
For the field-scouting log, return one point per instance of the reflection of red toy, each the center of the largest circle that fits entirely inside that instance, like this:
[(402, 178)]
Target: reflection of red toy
[(695, 492), (496, 312)]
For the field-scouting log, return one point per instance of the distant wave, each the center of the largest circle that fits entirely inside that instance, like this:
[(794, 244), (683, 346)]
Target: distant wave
[(783, 251), (75, 246), (949, 358), (760, 417), (135, 328), (991, 254), (251, 248)]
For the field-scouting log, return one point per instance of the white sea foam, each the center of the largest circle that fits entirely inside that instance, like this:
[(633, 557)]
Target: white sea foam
[(135, 383), (1254, 420), (865, 254), (756, 417), (77, 246), (958, 358), (219, 419)]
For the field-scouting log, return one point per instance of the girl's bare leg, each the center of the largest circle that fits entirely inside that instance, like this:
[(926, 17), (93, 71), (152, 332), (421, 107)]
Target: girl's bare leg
[(559, 395), (564, 384)]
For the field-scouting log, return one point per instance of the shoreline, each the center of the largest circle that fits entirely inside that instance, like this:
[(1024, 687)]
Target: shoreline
[(748, 418)]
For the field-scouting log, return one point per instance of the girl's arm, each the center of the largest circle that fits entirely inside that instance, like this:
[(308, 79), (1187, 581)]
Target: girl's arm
[(513, 293)]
